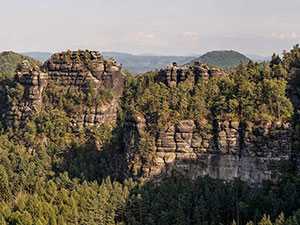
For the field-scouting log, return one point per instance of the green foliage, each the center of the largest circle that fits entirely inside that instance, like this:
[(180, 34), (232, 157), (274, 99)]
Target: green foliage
[(285, 166), (250, 93), (75, 101), (83, 57), (265, 220), (15, 94), (280, 220), (5, 192)]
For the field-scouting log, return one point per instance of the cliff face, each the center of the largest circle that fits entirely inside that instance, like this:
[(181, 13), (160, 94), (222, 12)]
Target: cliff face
[(74, 71), (230, 150)]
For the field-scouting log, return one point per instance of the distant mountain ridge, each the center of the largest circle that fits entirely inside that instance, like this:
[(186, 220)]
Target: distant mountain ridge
[(143, 63), (258, 58), (40, 56)]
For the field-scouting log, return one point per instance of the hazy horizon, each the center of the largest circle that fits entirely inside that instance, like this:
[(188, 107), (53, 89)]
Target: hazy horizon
[(150, 27), (145, 53)]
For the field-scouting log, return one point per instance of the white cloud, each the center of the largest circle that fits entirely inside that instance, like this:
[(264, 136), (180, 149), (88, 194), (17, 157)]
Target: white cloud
[(142, 38), (285, 36), (189, 34)]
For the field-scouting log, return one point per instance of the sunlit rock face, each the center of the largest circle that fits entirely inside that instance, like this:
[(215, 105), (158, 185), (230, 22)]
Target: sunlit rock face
[(74, 71)]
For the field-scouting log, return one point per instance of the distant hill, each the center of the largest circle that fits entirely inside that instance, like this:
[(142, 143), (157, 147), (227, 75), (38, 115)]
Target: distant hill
[(40, 56), (10, 60), (223, 58), (143, 63)]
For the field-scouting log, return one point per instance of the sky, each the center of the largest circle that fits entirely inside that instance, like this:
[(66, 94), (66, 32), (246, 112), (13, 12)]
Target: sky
[(167, 27)]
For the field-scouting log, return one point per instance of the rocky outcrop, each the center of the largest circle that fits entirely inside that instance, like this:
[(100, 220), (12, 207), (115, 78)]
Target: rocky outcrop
[(224, 150), (175, 74), (74, 71), (34, 82)]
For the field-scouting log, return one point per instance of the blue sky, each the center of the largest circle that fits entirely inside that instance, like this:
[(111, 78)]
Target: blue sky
[(169, 27)]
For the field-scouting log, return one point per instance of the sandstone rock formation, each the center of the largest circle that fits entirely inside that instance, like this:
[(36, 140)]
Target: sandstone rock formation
[(231, 149), (73, 70), (174, 74), (220, 149)]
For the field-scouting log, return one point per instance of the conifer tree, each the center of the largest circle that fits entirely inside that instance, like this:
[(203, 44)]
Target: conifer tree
[(280, 220), (5, 192), (265, 220)]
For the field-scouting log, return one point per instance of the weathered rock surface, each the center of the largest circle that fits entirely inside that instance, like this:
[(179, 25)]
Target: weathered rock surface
[(73, 70), (230, 150), (174, 74)]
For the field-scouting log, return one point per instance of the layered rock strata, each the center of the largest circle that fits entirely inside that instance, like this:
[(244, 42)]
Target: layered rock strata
[(231, 149)]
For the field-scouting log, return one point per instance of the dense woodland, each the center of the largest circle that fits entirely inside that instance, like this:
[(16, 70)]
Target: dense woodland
[(49, 175)]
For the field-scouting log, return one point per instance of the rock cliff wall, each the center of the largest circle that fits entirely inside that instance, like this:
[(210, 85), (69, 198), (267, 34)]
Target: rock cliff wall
[(227, 150)]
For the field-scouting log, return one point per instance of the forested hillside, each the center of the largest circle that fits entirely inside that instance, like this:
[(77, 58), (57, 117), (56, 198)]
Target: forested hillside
[(53, 174), (10, 60), (223, 58)]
